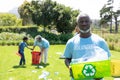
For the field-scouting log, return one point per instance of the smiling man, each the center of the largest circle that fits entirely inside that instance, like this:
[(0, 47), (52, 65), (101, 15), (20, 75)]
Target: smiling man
[(85, 46)]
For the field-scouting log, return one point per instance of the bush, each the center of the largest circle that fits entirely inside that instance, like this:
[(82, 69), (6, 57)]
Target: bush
[(56, 39), (113, 41), (49, 36), (64, 37), (19, 29), (7, 38), (13, 36)]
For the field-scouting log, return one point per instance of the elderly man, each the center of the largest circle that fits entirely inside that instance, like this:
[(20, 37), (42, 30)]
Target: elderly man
[(44, 46)]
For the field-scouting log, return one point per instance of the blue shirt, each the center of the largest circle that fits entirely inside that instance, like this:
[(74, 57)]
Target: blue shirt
[(22, 45), (43, 44), (85, 48)]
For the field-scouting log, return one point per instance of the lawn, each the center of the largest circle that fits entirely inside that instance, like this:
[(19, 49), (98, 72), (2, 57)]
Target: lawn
[(9, 69)]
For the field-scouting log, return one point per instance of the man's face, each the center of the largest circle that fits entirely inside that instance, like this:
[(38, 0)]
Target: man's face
[(84, 23), (39, 39)]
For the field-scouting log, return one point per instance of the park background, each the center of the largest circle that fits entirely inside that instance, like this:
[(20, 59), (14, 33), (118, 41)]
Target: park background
[(56, 23)]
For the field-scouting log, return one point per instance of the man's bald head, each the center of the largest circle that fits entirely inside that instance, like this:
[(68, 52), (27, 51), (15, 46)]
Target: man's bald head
[(82, 15)]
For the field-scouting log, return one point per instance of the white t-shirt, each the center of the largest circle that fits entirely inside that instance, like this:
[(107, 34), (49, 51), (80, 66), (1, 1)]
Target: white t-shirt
[(93, 48)]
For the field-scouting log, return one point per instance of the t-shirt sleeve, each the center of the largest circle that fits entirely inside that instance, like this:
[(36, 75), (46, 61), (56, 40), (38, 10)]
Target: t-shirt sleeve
[(68, 50)]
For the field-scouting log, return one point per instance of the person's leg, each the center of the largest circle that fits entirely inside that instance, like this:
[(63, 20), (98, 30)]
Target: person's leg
[(41, 56), (21, 60), (45, 55), (20, 63), (24, 62)]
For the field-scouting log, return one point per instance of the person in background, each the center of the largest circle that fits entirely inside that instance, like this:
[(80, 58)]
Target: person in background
[(77, 30), (83, 45), (21, 47), (44, 46)]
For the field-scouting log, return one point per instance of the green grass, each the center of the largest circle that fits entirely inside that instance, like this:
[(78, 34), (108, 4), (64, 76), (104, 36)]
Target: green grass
[(9, 69)]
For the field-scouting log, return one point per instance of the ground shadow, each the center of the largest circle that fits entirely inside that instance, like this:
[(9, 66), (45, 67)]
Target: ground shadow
[(19, 66), (41, 65)]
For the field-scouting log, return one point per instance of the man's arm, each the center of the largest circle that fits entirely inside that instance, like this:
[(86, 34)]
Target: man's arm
[(29, 48), (33, 48), (67, 62), (42, 50)]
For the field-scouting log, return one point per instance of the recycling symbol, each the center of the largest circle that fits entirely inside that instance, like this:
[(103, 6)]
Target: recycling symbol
[(89, 70)]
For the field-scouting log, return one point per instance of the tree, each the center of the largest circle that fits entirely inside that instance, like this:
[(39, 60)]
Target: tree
[(7, 19), (42, 13), (65, 23), (49, 13), (25, 13), (107, 14), (116, 15)]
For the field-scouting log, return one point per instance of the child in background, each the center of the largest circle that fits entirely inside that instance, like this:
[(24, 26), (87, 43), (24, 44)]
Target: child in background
[(22, 45)]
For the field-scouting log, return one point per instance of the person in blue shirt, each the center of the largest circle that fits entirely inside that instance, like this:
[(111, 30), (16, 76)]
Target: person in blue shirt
[(22, 45), (85, 46), (43, 44)]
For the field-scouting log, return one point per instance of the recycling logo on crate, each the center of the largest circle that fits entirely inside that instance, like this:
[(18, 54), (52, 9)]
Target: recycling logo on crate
[(89, 70)]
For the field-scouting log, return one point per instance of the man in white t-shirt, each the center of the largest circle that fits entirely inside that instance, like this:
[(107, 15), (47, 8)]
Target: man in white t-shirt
[(85, 45), (44, 46)]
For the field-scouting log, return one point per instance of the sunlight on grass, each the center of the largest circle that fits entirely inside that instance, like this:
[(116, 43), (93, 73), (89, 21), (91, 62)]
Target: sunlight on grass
[(9, 69)]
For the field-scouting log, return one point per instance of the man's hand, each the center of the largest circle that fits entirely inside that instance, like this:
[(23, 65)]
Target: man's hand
[(71, 73), (32, 49)]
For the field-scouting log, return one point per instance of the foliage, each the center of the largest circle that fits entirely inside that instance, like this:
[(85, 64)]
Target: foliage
[(7, 19), (42, 12), (65, 37), (12, 36), (18, 22), (8, 38), (25, 13), (20, 29), (56, 39), (107, 14), (113, 41), (49, 13), (65, 23)]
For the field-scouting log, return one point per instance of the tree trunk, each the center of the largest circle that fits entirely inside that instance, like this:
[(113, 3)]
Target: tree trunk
[(44, 29), (111, 26), (116, 25)]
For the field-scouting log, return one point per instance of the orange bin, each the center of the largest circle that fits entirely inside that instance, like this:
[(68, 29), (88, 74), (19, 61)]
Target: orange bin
[(35, 57)]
